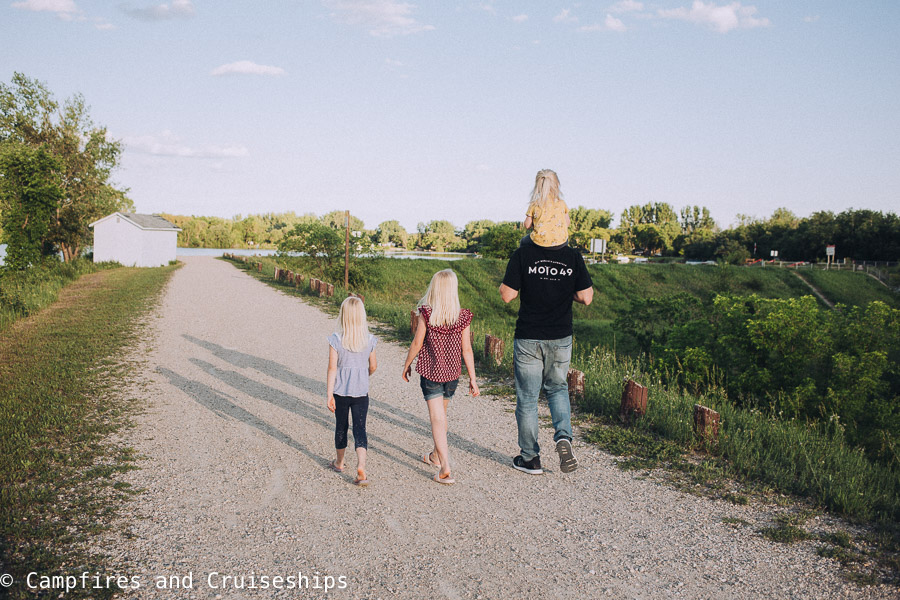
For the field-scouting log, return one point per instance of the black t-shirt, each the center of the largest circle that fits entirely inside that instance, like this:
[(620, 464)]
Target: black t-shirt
[(546, 281)]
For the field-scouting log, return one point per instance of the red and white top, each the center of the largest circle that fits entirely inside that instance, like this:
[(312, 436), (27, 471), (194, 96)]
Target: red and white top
[(440, 358)]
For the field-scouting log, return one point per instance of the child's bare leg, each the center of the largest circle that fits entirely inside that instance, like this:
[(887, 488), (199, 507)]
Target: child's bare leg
[(438, 416), (447, 416), (339, 461), (361, 462)]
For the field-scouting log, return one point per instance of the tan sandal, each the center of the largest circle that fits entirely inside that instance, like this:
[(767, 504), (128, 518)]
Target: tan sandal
[(426, 458), (444, 479), (361, 480)]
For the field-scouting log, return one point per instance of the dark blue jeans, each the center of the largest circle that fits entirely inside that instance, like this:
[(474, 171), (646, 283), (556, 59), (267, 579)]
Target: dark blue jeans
[(359, 407)]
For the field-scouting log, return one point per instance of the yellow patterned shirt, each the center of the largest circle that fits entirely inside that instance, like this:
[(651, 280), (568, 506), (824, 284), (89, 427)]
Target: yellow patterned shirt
[(550, 225)]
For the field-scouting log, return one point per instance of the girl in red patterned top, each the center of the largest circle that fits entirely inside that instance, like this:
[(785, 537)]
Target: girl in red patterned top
[(442, 341)]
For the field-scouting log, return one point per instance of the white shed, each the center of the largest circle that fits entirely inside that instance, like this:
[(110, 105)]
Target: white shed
[(135, 240)]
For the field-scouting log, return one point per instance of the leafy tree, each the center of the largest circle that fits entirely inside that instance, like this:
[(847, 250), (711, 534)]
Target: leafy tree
[(86, 157), (501, 240), (30, 189), (391, 232), (337, 219), (696, 218), (660, 214), (439, 236)]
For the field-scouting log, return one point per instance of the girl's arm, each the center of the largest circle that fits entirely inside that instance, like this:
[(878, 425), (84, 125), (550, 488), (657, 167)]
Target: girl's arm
[(414, 348), (528, 222), (469, 360), (373, 362), (331, 377)]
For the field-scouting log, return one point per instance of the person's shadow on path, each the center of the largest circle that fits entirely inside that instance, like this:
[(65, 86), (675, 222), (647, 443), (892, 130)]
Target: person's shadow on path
[(386, 412)]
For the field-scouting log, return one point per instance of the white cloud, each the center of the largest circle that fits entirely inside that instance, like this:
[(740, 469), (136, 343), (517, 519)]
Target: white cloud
[(520, 18), (178, 9), (626, 6), (719, 18), (564, 16), (483, 168), (246, 67), (65, 9), (168, 144), (609, 24), (393, 63), (104, 26), (383, 18), (811, 19)]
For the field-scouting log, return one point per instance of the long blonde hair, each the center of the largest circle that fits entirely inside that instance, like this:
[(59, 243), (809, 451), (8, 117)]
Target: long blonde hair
[(442, 296), (352, 324), (546, 188)]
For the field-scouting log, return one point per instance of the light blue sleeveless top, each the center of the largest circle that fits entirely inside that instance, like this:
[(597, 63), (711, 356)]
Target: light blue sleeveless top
[(352, 368)]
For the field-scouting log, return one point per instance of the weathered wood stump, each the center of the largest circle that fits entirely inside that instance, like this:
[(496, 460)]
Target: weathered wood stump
[(493, 347), (575, 379), (277, 273), (259, 267), (313, 284), (634, 401), (329, 289), (706, 423)]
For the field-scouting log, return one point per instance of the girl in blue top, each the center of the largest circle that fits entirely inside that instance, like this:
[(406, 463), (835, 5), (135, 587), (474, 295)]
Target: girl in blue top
[(351, 360)]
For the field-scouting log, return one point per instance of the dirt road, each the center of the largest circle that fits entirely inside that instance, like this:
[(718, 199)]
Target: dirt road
[(237, 441)]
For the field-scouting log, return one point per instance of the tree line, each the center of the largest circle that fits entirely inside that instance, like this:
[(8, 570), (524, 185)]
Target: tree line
[(651, 229), (55, 173)]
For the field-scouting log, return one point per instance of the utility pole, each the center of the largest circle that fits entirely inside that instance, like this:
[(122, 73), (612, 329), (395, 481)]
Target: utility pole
[(347, 251)]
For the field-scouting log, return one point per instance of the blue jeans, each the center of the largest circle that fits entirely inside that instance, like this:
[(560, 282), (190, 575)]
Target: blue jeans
[(542, 363)]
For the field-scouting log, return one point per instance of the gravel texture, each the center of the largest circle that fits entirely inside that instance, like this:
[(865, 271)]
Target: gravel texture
[(237, 441)]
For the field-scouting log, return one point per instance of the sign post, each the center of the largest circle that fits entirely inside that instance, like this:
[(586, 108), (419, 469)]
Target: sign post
[(347, 252), (598, 247), (829, 255)]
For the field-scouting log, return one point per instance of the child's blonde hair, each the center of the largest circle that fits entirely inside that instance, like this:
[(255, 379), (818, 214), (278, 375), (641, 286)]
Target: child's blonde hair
[(442, 296), (546, 188), (352, 324)]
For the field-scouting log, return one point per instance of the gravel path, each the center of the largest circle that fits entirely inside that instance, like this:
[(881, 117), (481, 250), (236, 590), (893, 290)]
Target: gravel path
[(238, 439)]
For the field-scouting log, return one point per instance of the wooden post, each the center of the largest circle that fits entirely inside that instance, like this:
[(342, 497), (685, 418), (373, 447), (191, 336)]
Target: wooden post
[(347, 251), (706, 423), (313, 286), (634, 401), (277, 273), (493, 347), (575, 379), (329, 289), (259, 267)]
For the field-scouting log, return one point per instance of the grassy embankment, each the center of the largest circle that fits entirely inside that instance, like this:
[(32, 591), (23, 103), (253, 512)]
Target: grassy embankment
[(56, 467), (25, 293)]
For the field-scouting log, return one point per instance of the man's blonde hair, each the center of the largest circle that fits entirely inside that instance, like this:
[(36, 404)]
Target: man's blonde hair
[(442, 296), (352, 324), (546, 188)]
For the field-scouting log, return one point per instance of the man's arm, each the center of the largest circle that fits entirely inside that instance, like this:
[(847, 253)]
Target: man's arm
[(507, 294), (585, 296)]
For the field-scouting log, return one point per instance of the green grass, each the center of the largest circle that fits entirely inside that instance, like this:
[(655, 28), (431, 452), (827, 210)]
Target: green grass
[(792, 457), (24, 293), (850, 288), (57, 471)]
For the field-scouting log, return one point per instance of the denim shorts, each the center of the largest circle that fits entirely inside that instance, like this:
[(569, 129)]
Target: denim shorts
[(434, 389)]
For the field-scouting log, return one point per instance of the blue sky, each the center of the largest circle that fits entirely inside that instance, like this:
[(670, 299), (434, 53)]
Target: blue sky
[(445, 110)]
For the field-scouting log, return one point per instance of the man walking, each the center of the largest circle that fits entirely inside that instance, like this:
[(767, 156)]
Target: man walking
[(547, 281)]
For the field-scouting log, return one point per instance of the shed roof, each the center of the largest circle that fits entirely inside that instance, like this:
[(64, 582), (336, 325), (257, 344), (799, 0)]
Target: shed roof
[(152, 222)]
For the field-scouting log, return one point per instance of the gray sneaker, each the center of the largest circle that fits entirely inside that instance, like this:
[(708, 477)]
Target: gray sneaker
[(567, 460)]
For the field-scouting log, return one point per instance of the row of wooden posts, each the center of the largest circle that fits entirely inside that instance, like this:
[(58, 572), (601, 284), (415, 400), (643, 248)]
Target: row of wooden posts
[(633, 404)]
